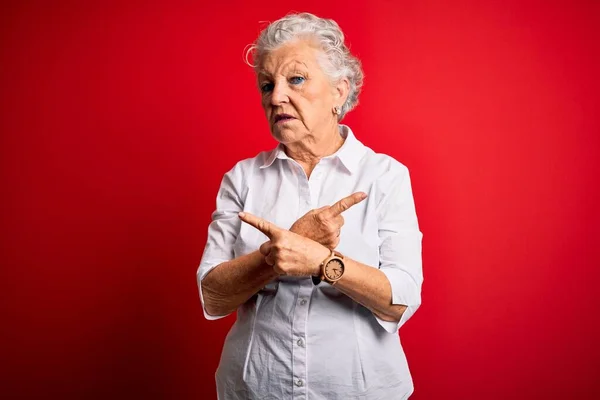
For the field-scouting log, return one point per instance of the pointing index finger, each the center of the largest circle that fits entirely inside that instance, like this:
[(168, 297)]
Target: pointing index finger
[(345, 203), (262, 225)]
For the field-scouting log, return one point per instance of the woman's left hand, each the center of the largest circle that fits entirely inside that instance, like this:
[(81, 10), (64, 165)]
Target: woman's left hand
[(289, 253), (324, 224)]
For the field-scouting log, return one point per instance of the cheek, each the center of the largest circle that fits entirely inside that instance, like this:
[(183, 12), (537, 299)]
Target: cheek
[(265, 104), (317, 98), (315, 109), (309, 104)]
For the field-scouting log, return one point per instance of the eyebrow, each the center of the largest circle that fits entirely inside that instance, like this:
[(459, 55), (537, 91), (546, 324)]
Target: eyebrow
[(291, 66), (263, 73)]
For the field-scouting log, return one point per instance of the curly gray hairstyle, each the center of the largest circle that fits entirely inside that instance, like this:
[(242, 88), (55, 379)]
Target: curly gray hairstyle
[(336, 60)]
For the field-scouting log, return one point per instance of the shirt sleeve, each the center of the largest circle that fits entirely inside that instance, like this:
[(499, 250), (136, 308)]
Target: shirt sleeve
[(400, 243), (223, 230)]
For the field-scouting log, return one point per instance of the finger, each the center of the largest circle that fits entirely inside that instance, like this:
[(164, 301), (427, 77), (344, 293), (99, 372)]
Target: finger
[(278, 270), (332, 243), (262, 225), (270, 259), (335, 243), (338, 221), (319, 214), (345, 203), (265, 248)]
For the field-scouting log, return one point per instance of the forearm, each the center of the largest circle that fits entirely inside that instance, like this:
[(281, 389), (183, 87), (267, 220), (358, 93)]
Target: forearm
[(232, 283), (371, 288)]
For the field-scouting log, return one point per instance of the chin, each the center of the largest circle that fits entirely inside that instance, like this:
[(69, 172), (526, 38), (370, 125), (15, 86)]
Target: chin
[(285, 135)]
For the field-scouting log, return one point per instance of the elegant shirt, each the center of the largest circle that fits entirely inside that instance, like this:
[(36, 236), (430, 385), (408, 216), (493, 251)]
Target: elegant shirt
[(298, 340)]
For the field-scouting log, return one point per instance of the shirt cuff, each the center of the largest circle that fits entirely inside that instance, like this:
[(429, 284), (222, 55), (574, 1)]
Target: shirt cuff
[(201, 273), (405, 291)]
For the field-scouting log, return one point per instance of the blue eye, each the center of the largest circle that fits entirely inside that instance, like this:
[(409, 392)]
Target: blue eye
[(267, 87), (296, 80)]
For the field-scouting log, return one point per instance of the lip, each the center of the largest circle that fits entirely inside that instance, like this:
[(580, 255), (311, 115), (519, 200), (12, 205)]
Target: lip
[(282, 118)]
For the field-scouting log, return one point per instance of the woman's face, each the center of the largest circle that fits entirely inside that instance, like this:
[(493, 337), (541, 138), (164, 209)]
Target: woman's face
[(297, 96)]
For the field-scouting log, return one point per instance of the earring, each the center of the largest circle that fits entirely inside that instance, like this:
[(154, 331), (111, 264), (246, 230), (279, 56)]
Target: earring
[(337, 110)]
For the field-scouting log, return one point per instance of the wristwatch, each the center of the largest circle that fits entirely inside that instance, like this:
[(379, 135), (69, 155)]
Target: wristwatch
[(332, 268)]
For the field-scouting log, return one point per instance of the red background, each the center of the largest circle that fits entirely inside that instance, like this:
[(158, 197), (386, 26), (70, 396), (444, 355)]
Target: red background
[(118, 123)]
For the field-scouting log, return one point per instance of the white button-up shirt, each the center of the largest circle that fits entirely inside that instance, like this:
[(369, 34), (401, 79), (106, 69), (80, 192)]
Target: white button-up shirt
[(295, 340)]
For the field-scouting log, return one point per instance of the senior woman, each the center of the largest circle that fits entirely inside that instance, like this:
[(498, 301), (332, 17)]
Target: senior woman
[(316, 243)]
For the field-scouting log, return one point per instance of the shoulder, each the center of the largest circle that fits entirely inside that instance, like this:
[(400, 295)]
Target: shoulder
[(390, 178), (243, 169), (385, 166)]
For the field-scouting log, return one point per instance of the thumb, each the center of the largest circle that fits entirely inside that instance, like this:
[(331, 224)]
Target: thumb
[(265, 248)]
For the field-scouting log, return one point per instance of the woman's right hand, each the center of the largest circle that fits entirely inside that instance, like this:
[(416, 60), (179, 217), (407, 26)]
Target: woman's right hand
[(323, 225)]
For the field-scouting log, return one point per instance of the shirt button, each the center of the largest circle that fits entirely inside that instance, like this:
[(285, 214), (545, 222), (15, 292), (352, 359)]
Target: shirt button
[(300, 342), (299, 383), (303, 302)]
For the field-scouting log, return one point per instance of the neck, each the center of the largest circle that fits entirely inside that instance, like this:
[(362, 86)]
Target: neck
[(310, 150)]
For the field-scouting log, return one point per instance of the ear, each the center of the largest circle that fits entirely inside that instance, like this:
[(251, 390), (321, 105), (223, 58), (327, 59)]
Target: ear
[(341, 91)]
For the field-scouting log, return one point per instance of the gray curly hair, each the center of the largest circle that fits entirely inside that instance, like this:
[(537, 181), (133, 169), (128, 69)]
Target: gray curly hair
[(336, 60)]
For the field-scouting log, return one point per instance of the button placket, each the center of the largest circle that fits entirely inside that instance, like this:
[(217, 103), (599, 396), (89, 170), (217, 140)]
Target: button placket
[(299, 351), (300, 313), (317, 179)]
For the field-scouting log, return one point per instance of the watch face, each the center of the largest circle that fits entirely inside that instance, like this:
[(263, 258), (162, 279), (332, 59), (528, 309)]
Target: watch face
[(334, 269)]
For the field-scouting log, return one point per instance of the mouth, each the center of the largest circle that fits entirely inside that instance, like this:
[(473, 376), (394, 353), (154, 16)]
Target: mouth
[(282, 118)]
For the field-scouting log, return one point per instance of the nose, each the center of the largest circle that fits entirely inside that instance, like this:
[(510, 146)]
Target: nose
[(279, 94)]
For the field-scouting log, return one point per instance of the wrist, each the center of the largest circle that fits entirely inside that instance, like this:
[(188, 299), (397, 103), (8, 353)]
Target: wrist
[(323, 254), (332, 268)]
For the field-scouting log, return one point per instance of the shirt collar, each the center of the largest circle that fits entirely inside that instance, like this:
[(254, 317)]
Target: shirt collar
[(349, 154)]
